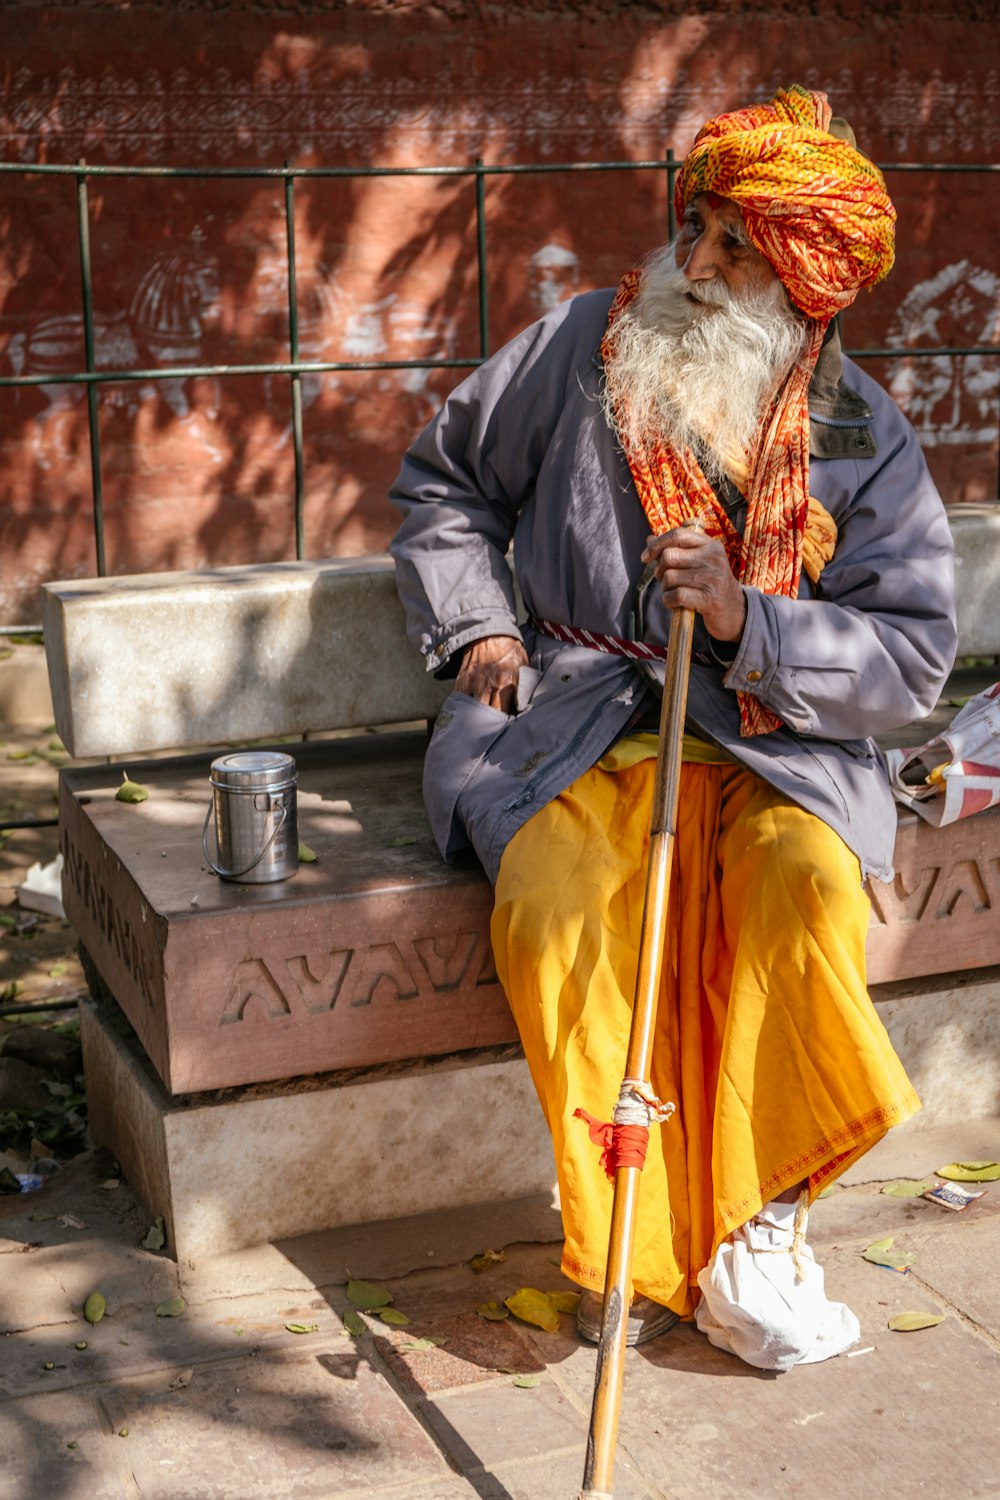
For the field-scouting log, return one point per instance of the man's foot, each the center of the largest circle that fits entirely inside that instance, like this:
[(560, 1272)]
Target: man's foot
[(646, 1319), (763, 1296)]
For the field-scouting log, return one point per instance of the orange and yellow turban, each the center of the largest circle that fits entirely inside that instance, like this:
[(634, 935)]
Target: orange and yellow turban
[(813, 205)]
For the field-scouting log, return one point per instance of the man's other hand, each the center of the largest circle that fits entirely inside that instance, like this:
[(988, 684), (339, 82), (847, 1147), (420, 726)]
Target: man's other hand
[(694, 573), (490, 669)]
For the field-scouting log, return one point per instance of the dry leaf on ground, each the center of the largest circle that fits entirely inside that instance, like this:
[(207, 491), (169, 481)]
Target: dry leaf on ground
[(171, 1308), (481, 1263), (880, 1253), (971, 1171), (393, 1316), (910, 1322), (565, 1302), (493, 1312), (367, 1295), (535, 1307)]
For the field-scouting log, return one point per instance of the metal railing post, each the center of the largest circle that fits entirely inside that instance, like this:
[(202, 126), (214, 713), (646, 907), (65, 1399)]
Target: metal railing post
[(484, 303), (293, 344), (83, 227), (672, 166)]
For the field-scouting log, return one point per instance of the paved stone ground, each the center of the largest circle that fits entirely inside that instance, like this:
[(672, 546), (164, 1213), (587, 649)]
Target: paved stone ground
[(225, 1401), (30, 756)]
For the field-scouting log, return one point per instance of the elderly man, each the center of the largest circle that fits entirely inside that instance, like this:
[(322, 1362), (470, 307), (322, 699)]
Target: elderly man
[(710, 385)]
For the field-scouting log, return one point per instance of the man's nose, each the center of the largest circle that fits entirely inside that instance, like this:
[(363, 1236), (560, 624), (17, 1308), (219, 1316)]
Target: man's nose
[(702, 260)]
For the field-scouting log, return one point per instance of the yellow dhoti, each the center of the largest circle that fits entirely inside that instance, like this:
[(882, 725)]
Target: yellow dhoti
[(766, 1037)]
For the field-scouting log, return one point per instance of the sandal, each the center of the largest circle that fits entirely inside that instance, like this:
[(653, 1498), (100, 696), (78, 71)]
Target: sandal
[(646, 1319)]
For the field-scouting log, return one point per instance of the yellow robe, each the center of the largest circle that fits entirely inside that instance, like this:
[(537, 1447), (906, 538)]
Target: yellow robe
[(766, 1037)]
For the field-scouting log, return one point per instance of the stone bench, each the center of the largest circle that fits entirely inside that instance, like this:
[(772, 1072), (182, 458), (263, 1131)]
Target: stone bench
[(355, 1007)]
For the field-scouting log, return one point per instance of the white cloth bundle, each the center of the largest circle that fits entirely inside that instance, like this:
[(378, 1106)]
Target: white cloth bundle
[(763, 1296)]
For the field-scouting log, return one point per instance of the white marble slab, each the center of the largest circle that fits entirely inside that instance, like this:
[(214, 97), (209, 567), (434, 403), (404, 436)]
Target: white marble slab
[(976, 531), (162, 661)]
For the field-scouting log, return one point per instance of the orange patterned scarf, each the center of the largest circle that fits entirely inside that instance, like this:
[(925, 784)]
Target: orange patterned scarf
[(817, 209)]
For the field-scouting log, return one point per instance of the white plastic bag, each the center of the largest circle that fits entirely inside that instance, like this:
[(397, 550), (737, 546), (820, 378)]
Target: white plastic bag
[(763, 1296), (957, 773)]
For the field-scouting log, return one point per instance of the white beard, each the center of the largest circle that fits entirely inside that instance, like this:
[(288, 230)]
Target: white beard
[(696, 365)]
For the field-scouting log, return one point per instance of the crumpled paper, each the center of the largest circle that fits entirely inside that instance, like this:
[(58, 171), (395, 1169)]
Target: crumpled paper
[(41, 889), (957, 773)]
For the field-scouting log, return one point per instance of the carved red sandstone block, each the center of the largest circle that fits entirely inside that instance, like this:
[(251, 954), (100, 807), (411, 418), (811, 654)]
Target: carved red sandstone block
[(377, 952), (941, 912)]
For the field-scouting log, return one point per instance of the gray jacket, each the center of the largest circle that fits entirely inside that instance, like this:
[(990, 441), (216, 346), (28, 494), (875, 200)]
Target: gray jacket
[(521, 452)]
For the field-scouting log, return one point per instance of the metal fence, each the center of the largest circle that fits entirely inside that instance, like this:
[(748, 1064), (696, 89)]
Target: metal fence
[(294, 368)]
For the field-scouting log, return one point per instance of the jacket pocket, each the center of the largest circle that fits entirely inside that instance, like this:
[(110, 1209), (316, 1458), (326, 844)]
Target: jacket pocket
[(463, 735), (859, 749)]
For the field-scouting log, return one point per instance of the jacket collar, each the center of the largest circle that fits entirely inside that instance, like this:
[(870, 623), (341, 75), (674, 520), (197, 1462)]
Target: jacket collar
[(839, 419)]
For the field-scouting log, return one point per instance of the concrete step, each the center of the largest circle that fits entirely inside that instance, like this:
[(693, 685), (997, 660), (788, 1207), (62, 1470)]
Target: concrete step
[(243, 1166)]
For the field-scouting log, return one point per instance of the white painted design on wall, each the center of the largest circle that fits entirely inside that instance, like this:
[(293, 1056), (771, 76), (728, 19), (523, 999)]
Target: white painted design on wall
[(949, 399), (365, 331), (333, 325), (398, 328), (175, 302), (320, 319), (553, 275)]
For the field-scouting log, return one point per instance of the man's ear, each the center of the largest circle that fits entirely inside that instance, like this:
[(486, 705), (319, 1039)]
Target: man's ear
[(839, 127)]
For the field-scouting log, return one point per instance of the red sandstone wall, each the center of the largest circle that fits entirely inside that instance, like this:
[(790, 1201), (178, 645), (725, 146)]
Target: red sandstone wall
[(200, 471)]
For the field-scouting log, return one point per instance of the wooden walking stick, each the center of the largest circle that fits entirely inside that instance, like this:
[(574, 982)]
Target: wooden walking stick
[(610, 1371)]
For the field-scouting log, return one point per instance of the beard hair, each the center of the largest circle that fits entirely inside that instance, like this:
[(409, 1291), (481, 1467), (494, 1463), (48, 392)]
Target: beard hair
[(697, 365)]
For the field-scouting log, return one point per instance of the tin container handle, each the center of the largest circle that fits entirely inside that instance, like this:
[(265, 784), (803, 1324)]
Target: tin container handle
[(236, 874)]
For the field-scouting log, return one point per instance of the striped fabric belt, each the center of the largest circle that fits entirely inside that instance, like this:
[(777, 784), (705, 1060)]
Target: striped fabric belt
[(613, 645)]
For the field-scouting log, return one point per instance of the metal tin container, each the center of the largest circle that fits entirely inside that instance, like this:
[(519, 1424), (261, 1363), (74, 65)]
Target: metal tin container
[(256, 828)]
